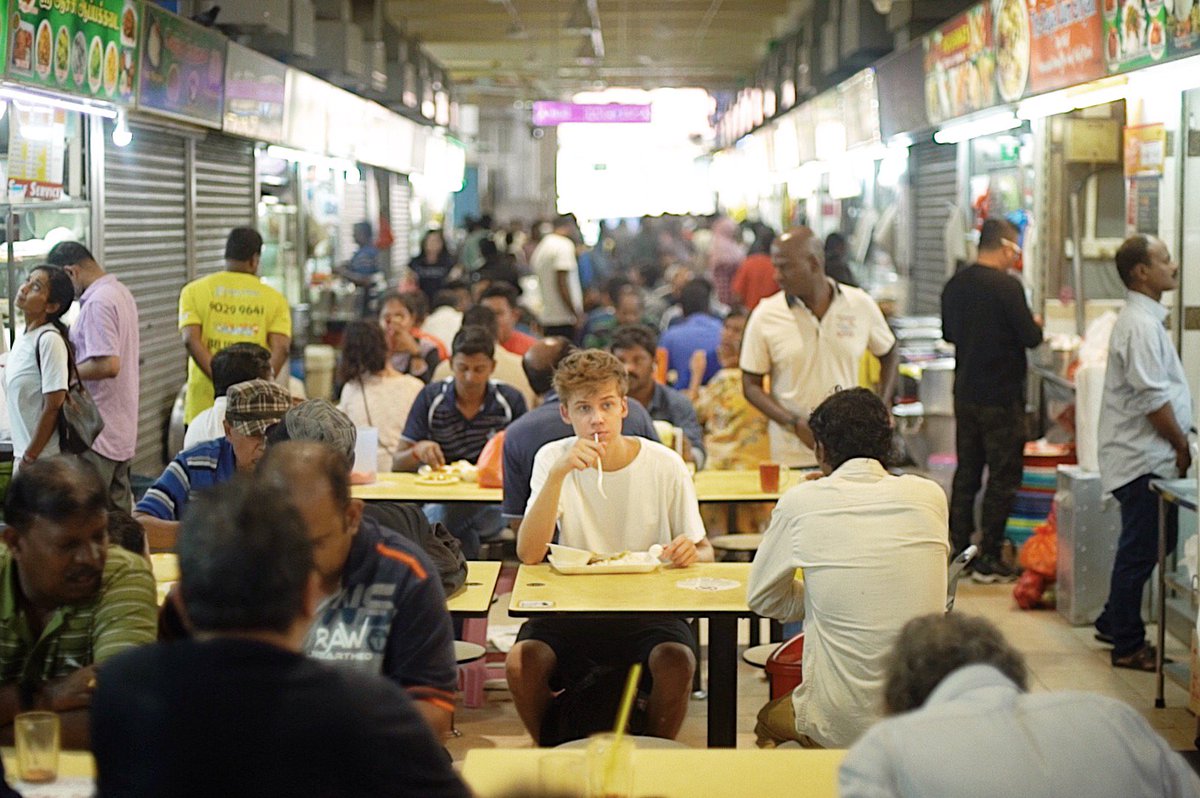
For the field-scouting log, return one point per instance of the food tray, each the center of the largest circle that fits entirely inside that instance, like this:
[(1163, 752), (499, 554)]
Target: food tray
[(605, 568)]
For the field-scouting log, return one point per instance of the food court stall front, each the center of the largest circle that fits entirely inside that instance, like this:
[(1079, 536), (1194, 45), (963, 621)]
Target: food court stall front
[(65, 70)]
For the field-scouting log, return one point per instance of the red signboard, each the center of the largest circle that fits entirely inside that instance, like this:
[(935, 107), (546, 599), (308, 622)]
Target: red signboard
[(1067, 49)]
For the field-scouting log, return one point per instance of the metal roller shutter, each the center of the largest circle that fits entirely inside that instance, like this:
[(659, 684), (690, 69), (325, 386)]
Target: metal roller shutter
[(354, 210), (935, 192), (225, 197), (401, 220), (145, 245)]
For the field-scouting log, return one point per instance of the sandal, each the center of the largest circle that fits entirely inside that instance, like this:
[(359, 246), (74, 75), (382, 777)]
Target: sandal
[(1140, 660)]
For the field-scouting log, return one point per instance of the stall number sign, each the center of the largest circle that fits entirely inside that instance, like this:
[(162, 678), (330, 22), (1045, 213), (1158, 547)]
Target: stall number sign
[(36, 146)]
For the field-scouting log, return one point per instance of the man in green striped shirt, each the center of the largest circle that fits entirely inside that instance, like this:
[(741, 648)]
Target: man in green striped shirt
[(67, 599)]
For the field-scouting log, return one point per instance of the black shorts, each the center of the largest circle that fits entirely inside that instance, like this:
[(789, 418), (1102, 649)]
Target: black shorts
[(582, 643)]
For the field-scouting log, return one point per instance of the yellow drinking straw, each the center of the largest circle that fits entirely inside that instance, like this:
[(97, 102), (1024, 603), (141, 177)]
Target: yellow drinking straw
[(631, 683)]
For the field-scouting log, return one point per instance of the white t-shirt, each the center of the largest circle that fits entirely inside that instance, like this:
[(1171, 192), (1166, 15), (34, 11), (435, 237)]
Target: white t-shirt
[(651, 500), (208, 425), (554, 254), (384, 405), (26, 383), (807, 358)]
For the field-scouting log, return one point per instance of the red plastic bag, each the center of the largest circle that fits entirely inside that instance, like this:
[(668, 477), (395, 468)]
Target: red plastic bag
[(1029, 589), (491, 462), (1040, 552)]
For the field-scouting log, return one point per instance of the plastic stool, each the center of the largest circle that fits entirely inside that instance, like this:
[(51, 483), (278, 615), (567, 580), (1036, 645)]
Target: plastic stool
[(639, 741), (757, 656), (738, 547), (472, 673)]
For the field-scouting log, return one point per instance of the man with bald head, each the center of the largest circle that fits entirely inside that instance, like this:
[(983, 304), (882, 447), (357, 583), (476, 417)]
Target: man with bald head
[(809, 338), (382, 608), (529, 433)]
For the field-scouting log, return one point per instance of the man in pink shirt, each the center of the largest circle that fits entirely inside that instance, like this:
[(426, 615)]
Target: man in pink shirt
[(105, 337)]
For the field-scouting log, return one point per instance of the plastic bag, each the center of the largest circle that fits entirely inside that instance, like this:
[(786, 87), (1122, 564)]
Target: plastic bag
[(1029, 589), (491, 463), (1040, 553)]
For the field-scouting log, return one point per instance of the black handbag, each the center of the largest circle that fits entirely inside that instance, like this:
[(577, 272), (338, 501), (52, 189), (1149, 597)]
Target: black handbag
[(79, 421)]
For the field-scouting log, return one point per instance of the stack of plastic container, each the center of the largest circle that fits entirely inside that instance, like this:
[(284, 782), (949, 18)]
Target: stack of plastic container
[(1035, 497)]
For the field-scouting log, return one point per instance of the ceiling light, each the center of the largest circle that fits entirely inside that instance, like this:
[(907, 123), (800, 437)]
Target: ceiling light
[(1064, 101), (975, 127)]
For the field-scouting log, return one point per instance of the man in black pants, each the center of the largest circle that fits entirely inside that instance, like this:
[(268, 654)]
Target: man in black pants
[(985, 316)]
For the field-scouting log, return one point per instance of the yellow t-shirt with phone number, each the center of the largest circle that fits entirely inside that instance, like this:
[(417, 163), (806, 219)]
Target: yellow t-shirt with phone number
[(229, 307)]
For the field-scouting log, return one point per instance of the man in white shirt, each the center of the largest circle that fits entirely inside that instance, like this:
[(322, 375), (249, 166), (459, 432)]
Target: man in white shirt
[(606, 492), (1145, 418), (809, 338), (553, 262), (236, 363), (963, 723), (873, 548)]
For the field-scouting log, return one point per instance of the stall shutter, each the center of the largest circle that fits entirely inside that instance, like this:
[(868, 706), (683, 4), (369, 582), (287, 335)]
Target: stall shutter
[(935, 193), (354, 210), (401, 221), (224, 196), (145, 234)]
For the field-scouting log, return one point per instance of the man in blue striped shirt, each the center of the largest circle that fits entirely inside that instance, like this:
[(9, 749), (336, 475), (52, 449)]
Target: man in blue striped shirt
[(452, 420), (252, 408)]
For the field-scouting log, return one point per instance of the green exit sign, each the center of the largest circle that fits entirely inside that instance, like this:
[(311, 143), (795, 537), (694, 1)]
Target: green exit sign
[(600, 167)]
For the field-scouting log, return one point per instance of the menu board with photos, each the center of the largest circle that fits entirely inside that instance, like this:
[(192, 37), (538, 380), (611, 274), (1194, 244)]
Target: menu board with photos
[(183, 69), (960, 65), (75, 46)]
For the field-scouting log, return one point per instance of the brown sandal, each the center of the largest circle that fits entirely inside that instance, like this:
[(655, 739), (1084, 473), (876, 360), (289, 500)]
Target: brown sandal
[(1140, 660)]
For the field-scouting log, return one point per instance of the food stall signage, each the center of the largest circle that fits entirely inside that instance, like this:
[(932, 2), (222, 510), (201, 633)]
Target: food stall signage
[(1066, 43), (547, 113), (36, 146), (183, 69), (959, 66), (75, 47), (255, 94)]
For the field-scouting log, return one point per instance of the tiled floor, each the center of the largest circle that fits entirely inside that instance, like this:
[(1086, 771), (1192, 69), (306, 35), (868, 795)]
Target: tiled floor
[(1059, 657)]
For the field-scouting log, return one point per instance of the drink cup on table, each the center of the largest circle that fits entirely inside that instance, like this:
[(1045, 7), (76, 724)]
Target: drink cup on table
[(609, 766), (37, 739), (768, 477)]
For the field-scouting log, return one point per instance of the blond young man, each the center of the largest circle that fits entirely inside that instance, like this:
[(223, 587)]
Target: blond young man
[(647, 498)]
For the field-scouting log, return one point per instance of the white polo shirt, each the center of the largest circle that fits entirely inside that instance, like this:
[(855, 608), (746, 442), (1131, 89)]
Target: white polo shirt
[(807, 358)]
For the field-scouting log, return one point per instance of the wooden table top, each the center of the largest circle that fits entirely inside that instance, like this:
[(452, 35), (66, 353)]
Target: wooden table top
[(475, 597), (655, 592), (403, 487), (670, 773), (711, 486)]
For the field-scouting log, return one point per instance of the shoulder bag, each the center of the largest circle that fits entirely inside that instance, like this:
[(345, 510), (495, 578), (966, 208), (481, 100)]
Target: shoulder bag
[(79, 421)]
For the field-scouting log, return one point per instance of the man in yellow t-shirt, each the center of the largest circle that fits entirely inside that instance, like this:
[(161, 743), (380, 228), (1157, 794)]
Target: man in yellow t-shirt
[(226, 308)]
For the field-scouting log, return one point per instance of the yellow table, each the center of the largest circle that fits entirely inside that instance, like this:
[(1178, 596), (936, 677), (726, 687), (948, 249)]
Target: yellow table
[(403, 487), (491, 773), (737, 486), (76, 775), (711, 486), (474, 599), (541, 591)]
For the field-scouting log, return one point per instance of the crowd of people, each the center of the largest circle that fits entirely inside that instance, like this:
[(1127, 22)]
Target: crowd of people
[(304, 616)]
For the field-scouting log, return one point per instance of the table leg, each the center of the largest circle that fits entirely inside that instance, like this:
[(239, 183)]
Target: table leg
[(722, 681), (1159, 703)]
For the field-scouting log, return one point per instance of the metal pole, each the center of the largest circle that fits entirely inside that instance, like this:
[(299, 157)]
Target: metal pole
[(10, 231), (1077, 259)]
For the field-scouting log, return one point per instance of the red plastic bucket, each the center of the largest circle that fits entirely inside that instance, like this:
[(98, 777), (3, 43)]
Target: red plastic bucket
[(784, 671)]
